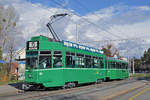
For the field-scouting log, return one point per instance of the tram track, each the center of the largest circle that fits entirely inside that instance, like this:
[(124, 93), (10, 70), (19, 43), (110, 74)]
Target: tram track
[(56, 90), (89, 90), (78, 90)]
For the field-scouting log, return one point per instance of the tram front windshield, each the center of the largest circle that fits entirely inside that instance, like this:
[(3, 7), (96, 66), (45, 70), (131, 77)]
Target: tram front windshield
[(31, 60)]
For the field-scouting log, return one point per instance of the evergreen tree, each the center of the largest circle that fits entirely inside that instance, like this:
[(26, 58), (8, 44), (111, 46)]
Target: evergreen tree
[(146, 60), (146, 57), (138, 63)]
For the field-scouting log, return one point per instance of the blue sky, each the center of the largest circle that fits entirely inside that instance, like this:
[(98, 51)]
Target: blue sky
[(87, 6), (126, 19)]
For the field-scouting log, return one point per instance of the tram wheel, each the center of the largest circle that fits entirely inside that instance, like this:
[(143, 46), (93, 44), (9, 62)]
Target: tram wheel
[(69, 85), (99, 81)]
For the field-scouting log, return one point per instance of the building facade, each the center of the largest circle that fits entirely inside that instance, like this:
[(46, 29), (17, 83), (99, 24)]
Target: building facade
[(21, 55)]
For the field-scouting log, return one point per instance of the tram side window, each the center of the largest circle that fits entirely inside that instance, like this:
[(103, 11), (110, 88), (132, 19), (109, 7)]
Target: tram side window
[(31, 62), (95, 62), (80, 61), (120, 65), (117, 65), (88, 62), (113, 65), (126, 66), (101, 62), (45, 59), (70, 59), (123, 66), (109, 64), (44, 62), (57, 59)]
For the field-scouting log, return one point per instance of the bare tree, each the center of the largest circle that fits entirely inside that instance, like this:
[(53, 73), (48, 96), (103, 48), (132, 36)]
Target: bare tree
[(8, 34), (110, 50), (8, 19), (11, 50)]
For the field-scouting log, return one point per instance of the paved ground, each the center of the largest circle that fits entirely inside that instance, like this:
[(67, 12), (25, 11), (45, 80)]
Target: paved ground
[(10, 89), (99, 93), (7, 89), (102, 91), (139, 94)]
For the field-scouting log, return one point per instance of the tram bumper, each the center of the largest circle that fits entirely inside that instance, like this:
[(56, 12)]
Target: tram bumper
[(26, 86)]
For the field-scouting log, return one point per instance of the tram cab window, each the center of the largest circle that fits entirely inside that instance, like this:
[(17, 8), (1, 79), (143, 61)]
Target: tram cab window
[(57, 59), (45, 52), (31, 62), (32, 59), (70, 59), (45, 59)]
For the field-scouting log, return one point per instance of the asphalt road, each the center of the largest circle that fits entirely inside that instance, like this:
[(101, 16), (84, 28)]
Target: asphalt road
[(91, 94), (139, 94), (88, 92)]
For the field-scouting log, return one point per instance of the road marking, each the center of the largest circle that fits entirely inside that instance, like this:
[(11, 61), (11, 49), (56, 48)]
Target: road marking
[(119, 93), (131, 98)]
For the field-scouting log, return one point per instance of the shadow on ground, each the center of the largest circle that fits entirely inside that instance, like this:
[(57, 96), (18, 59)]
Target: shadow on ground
[(16, 85)]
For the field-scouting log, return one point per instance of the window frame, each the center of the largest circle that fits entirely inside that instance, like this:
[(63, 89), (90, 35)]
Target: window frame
[(46, 55), (55, 55), (71, 55)]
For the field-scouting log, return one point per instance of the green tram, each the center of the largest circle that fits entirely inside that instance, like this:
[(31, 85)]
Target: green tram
[(66, 64)]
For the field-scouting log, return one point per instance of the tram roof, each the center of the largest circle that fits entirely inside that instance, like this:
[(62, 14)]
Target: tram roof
[(67, 44)]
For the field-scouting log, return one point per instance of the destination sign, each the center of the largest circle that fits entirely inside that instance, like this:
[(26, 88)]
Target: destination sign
[(33, 45), (83, 47)]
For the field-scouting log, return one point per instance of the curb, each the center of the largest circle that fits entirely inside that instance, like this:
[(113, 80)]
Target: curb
[(122, 92)]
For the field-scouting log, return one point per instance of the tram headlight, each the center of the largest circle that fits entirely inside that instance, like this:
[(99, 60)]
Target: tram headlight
[(40, 73), (30, 75)]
